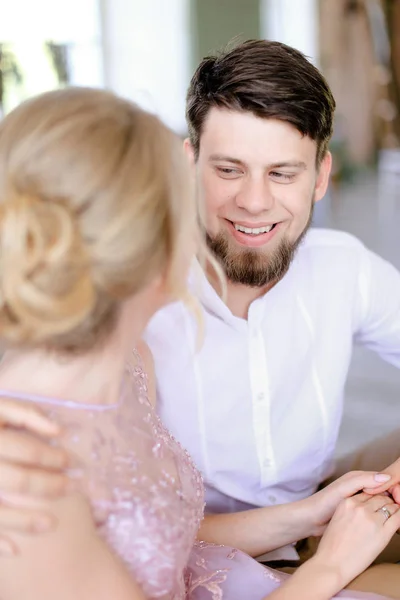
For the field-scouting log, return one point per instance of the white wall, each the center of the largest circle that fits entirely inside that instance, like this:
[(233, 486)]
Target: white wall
[(26, 25), (60, 21), (147, 54), (293, 22)]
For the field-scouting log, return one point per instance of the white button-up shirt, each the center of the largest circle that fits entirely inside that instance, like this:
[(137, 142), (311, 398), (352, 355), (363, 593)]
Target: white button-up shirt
[(259, 404)]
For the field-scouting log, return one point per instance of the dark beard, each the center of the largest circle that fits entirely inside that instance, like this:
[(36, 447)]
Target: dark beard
[(253, 268)]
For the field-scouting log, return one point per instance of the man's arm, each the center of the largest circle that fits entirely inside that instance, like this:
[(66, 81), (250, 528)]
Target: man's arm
[(379, 329), (378, 309)]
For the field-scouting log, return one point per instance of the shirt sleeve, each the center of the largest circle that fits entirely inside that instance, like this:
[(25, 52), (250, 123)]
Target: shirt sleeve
[(378, 292)]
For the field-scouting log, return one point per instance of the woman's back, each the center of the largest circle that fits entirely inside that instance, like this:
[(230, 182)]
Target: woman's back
[(146, 495)]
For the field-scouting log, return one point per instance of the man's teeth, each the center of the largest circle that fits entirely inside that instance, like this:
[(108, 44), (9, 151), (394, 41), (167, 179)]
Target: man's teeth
[(253, 230)]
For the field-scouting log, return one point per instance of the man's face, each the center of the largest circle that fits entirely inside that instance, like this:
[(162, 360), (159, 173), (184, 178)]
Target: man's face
[(258, 180)]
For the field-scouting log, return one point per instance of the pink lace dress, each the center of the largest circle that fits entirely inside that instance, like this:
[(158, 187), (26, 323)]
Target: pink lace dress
[(147, 499)]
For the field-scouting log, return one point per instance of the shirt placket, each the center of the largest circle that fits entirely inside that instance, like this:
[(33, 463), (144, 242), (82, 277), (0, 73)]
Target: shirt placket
[(261, 403)]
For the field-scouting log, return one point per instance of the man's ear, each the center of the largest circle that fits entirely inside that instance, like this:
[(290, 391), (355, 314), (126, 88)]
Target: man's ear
[(189, 151), (323, 175)]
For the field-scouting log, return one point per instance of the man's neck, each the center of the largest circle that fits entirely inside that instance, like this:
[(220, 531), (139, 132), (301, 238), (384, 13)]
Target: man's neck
[(238, 296)]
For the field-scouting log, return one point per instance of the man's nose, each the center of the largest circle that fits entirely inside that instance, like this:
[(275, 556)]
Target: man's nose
[(255, 197)]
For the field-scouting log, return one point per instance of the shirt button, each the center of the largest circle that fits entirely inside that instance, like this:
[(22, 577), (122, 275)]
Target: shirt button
[(267, 462), (260, 396), (272, 499)]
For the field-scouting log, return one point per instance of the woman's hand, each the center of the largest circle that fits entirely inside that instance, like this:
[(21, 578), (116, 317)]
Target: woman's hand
[(322, 505), (359, 531), (356, 535), (29, 467)]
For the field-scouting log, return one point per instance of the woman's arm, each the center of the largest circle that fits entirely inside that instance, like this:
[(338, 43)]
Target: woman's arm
[(261, 530), (309, 581)]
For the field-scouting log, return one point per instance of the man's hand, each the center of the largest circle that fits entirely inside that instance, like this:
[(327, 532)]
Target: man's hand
[(29, 464), (392, 486), (30, 467)]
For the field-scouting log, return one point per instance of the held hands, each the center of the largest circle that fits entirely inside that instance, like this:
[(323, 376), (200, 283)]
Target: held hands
[(322, 505)]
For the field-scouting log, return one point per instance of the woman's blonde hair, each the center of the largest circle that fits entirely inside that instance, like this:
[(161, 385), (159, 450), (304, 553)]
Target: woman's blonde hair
[(94, 196)]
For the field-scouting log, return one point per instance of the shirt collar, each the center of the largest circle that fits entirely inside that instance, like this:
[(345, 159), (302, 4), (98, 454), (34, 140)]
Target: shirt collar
[(207, 295), (213, 303)]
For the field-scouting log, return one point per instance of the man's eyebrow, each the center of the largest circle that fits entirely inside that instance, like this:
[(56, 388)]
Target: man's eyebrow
[(225, 158), (296, 164)]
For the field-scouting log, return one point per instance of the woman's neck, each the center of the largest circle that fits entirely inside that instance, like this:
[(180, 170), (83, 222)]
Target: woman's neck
[(92, 378)]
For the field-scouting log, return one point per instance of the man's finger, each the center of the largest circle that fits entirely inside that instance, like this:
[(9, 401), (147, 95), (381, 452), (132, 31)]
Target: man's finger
[(25, 449), (8, 548), (25, 521), (395, 493), (14, 414), (394, 522), (361, 498), (32, 482), (376, 502)]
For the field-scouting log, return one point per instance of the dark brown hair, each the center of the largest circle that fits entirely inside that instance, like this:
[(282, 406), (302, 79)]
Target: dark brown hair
[(268, 79)]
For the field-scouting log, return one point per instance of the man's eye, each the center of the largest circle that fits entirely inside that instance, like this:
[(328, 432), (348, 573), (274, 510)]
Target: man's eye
[(228, 171), (284, 176)]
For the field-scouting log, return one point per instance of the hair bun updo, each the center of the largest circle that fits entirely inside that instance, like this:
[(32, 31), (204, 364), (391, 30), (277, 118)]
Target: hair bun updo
[(95, 205), (46, 288)]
